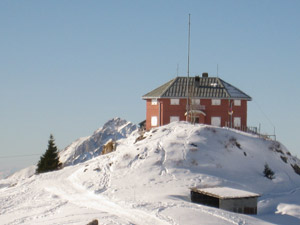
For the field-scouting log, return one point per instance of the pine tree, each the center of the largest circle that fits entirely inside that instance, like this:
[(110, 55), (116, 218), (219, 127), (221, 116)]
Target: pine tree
[(268, 173), (50, 160)]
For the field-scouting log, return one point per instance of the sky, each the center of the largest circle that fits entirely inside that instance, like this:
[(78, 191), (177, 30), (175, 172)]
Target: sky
[(67, 67)]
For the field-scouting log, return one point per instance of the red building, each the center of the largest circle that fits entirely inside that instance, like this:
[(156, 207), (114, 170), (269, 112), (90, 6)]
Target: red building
[(207, 100)]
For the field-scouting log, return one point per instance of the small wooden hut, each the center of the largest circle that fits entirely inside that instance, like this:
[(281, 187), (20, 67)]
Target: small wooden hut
[(226, 198)]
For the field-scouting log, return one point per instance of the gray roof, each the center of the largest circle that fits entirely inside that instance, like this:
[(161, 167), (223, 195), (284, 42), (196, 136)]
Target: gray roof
[(205, 87)]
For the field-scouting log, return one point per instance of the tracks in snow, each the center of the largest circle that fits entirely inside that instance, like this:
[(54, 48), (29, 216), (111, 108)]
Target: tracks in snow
[(69, 189)]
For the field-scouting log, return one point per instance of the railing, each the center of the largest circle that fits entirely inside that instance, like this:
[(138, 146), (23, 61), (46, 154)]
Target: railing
[(254, 130)]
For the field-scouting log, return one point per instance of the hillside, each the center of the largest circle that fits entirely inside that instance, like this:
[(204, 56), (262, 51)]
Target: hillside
[(87, 148), (147, 180)]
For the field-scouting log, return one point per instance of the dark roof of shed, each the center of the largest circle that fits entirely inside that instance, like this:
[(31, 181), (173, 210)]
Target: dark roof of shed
[(208, 87)]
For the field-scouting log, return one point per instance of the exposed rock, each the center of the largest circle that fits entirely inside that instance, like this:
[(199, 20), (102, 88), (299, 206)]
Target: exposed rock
[(94, 222)]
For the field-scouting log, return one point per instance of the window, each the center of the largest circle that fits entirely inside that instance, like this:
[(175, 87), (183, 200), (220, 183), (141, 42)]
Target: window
[(216, 121), (216, 101), (237, 102), (174, 101), (195, 101), (174, 118), (237, 122), (154, 101), (153, 120)]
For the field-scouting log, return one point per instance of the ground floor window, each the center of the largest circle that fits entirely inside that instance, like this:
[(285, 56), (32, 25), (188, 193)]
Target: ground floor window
[(153, 120), (174, 118), (216, 121), (237, 122)]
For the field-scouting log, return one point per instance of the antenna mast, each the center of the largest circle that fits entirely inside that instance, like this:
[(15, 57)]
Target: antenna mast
[(188, 72)]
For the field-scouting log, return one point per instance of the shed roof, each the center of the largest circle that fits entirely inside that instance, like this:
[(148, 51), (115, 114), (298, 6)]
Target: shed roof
[(225, 192), (206, 87)]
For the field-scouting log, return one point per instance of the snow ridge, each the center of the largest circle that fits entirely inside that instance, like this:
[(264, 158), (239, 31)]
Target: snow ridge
[(87, 148)]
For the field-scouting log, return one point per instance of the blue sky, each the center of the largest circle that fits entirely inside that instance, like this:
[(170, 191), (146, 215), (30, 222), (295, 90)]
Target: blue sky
[(69, 66)]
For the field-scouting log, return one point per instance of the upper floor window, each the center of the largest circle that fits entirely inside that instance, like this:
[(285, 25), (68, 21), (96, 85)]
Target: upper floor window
[(174, 101), (216, 101), (237, 102), (195, 101), (154, 101)]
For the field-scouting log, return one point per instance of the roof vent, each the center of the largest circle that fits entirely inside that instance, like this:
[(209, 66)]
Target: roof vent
[(204, 74)]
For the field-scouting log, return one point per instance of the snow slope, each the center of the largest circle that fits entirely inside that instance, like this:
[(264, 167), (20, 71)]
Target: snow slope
[(148, 181), (89, 147)]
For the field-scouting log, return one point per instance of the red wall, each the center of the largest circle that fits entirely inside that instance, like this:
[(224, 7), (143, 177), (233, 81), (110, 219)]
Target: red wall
[(166, 110)]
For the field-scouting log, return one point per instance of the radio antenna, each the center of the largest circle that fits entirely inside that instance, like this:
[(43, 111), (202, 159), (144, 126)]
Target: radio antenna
[(188, 72)]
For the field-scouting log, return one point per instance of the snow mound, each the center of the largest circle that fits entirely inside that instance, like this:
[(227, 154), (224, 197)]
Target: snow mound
[(229, 157), (147, 180), (24, 173), (87, 148)]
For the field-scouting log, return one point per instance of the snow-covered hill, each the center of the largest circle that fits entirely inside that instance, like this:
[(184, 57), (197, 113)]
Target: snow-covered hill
[(147, 180), (89, 147)]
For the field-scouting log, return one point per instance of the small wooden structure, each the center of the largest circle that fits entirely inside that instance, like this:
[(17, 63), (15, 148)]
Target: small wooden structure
[(226, 198)]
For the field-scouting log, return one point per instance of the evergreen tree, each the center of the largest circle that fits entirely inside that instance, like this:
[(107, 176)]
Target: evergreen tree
[(268, 173), (50, 160)]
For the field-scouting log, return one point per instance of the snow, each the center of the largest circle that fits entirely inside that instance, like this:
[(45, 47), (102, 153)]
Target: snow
[(226, 192), (148, 181), (289, 209), (89, 147)]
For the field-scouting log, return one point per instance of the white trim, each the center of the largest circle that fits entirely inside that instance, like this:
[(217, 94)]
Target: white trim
[(196, 112)]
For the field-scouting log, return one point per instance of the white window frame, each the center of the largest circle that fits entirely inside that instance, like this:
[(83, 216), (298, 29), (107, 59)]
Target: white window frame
[(154, 101), (237, 122), (216, 101), (174, 101), (214, 119), (195, 101), (154, 121), (174, 118), (237, 102)]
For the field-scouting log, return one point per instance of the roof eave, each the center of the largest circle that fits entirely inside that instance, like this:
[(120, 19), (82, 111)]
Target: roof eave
[(228, 98)]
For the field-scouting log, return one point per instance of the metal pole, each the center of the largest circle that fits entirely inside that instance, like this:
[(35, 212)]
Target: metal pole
[(188, 72)]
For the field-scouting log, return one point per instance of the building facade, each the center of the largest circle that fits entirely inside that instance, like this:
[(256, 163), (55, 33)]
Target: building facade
[(207, 100)]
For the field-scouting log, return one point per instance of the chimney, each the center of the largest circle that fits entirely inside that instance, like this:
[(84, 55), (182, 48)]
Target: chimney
[(197, 81), (204, 74)]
